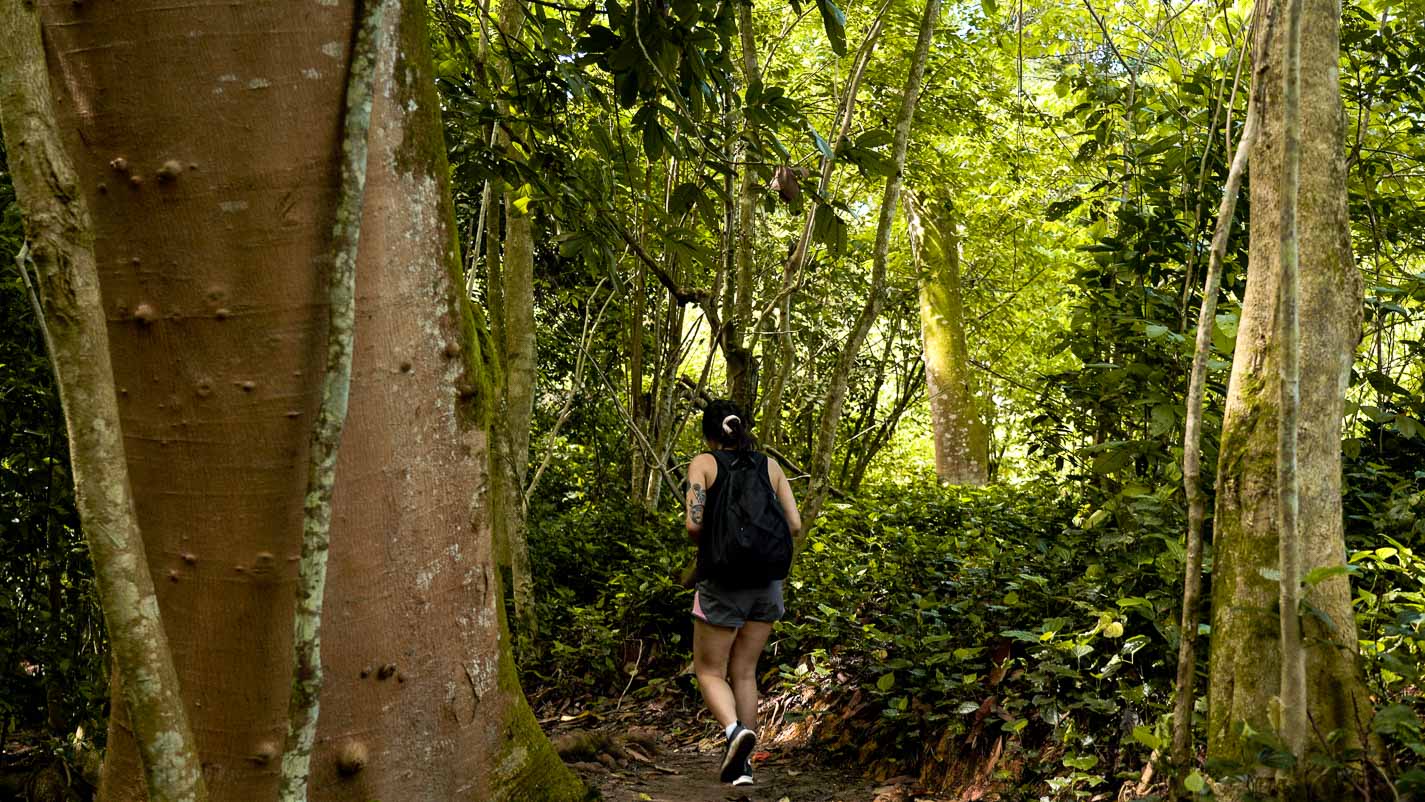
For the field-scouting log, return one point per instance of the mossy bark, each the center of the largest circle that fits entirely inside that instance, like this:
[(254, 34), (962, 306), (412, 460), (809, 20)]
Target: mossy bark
[(961, 442), (1245, 650), (214, 282)]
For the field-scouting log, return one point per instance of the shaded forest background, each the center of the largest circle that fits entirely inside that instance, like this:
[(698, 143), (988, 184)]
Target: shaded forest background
[(1023, 633)]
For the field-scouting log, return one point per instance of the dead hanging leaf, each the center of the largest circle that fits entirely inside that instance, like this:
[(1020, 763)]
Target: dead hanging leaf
[(786, 182)]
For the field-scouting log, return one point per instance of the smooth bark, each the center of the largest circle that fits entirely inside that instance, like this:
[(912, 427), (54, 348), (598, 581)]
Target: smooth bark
[(60, 248), (1293, 656), (214, 282), (517, 363), (305, 704), (835, 397), (1245, 664), (961, 444)]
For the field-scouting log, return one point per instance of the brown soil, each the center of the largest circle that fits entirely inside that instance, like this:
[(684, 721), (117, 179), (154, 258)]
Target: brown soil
[(689, 774)]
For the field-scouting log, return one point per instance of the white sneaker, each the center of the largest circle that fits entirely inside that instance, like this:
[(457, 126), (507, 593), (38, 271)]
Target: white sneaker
[(746, 777)]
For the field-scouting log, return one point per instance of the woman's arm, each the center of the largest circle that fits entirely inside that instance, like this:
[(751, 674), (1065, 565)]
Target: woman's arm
[(785, 497), (701, 474)]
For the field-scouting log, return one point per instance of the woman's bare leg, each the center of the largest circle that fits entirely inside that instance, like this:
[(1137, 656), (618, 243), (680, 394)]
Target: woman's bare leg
[(711, 647), (746, 650)]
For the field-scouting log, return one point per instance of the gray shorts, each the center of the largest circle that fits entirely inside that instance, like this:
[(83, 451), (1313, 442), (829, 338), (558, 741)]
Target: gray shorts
[(733, 607)]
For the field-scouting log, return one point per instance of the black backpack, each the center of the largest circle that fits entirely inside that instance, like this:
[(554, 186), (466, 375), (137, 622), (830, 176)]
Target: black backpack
[(745, 542)]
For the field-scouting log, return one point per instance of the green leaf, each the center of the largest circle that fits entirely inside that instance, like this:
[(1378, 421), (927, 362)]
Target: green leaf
[(1144, 734), (820, 143), (887, 681), (1396, 719), (1195, 782), (653, 140), (1317, 575), (835, 23), (1081, 763), (874, 138)]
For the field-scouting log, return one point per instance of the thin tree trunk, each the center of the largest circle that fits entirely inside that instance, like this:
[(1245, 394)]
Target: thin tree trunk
[(1293, 662), (518, 363), (777, 382), (740, 336), (305, 704), (1246, 658), (962, 448), (639, 468), (1192, 450), (218, 337), (835, 397), (60, 247)]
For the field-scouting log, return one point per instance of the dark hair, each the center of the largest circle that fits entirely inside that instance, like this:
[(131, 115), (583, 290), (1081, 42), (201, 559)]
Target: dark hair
[(725, 424)]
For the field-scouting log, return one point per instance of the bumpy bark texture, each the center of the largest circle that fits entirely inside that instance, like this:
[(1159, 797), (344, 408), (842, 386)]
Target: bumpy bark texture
[(212, 238), (60, 249), (1245, 659), (962, 447)]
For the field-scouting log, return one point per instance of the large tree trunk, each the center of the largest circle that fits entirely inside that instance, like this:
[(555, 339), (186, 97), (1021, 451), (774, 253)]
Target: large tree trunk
[(835, 398), (212, 236), (962, 449), (60, 247), (1245, 659)]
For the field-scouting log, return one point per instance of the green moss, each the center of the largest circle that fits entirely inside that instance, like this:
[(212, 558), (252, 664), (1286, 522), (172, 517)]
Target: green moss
[(422, 152), (423, 146), (534, 771)]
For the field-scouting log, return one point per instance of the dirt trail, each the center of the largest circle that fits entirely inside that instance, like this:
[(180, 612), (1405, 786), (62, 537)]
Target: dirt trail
[(685, 774)]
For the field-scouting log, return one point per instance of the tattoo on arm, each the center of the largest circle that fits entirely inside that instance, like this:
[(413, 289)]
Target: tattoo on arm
[(700, 500)]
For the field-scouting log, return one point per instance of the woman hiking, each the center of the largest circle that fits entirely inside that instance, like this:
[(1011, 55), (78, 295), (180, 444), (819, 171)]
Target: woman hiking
[(743, 517)]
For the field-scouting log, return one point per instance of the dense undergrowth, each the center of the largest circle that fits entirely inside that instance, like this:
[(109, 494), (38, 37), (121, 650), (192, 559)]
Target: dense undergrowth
[(1005, 633)]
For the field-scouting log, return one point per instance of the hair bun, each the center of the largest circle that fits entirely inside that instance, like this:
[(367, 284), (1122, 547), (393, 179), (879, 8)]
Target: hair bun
[(727, 423)]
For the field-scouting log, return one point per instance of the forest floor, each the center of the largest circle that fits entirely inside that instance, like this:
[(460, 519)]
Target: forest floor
[(689, 774), (654, 751)]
